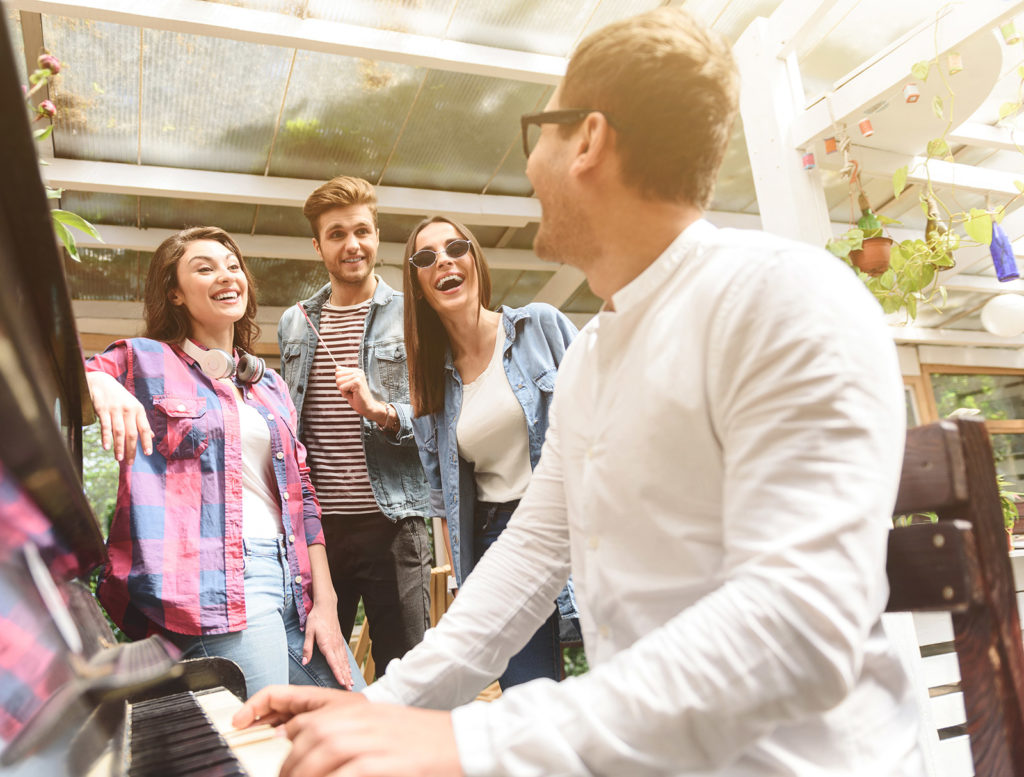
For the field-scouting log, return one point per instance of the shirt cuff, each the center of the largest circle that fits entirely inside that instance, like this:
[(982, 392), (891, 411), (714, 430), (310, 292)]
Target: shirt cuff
[(473, 740)]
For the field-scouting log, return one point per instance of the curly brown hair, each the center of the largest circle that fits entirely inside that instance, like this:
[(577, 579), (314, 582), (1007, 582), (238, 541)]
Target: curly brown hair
[(171, 323)]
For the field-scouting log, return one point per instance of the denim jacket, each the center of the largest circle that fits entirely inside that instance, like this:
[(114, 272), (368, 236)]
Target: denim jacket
[(391, 460), (536, 337)]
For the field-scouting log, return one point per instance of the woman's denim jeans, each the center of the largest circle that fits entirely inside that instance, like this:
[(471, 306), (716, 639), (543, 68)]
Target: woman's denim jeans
[(542, 655), (269, 649)]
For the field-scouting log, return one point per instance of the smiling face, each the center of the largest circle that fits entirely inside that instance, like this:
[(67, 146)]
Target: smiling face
[(348, 246), (212, 288), (448, 285)]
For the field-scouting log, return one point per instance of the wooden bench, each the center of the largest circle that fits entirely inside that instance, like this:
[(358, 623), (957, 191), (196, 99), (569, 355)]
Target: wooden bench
[(956, 577)]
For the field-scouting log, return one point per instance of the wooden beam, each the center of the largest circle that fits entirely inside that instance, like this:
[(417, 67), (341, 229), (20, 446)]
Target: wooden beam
[(862, 88), (279, 247), (922, 336), (986, 136), (561, 286), (194, 17)]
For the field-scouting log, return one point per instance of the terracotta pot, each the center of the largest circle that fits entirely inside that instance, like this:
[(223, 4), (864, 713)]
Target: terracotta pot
[(874, 257)]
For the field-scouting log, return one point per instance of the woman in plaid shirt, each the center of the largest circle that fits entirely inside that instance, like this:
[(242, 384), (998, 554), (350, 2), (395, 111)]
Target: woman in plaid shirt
[(216, 539)]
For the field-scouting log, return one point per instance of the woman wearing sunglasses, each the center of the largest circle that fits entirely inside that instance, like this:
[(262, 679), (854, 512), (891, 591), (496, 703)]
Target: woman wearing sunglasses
[(481, 384), (216, 540)]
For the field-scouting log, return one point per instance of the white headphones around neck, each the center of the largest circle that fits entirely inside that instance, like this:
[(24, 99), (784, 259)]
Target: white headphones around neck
[(217, 364)]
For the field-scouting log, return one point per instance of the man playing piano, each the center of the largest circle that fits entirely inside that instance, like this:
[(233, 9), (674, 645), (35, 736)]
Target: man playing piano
[(720, 468)]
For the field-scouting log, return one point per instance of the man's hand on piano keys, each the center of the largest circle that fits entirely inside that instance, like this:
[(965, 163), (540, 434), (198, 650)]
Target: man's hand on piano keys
[(339, 733), (122, 417)]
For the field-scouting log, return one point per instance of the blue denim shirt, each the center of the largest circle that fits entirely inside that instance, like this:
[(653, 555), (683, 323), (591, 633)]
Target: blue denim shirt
[(391, 460), (536, 337)]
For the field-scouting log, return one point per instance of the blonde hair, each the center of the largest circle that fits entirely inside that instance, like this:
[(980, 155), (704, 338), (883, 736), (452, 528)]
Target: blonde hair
[(339, 192), (671, 89)]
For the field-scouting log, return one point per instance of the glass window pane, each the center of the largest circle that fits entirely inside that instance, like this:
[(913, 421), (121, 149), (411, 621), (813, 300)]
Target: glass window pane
[(913, 418), (1009, 454), (998, 397)]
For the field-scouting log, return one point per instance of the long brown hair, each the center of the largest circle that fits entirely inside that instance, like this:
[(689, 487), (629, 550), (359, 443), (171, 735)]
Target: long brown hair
[(171, 323), (426, 341)]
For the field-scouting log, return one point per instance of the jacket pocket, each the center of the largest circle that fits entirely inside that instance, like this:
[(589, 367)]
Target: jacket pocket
[(291, 358), (392, 375), (180, 426), (546, 380)]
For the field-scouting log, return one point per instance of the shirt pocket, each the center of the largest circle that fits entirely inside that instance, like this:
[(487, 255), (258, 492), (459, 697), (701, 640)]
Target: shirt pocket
[(180, 426), (545, 381), (392, 375)]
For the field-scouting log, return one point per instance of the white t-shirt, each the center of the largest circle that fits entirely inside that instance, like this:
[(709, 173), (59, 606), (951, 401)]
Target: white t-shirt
[(491, 433), (261, 512)]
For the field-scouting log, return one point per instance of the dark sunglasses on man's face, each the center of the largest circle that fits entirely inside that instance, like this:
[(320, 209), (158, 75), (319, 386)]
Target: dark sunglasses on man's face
[(426, 257)]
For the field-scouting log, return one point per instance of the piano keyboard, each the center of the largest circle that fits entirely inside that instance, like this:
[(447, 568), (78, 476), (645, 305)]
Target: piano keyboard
[(190, 733)]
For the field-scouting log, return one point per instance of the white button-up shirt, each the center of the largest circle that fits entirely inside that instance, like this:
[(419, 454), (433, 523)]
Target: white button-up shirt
[(721, 467)]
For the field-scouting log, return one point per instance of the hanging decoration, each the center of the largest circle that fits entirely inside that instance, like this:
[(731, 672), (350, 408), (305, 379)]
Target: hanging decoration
[(1004, 315), (1010, 34), (865, 128), (954, 62), (911, 93), (808, 161), (831, 145), (1002, 255)]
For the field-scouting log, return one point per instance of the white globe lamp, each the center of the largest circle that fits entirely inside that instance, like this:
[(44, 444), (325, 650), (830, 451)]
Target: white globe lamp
[(1004, 315)]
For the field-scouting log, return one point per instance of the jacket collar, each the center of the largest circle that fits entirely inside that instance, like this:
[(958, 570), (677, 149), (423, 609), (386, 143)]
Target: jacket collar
[(382, 295)]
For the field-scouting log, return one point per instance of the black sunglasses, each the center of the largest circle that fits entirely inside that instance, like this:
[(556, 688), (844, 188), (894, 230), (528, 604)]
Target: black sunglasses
[(426, 257), (531, 122)]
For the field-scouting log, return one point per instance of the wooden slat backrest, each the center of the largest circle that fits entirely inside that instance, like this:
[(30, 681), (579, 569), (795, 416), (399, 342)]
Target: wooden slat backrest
[(948, 468)]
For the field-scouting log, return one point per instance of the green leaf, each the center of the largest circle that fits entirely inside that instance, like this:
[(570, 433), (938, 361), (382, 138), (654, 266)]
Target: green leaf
[(1019, 185), (43, 134), (1020, 70), (67, 239), (920, 70), (938, 147), (937, 106), (886, 220), (911, 306), (899, 181), (890, 304), (979, 226), (67, 218), (1008, 109), (887, 279)]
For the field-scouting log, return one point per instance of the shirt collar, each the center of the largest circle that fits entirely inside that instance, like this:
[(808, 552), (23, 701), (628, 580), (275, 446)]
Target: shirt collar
[(653, 278)]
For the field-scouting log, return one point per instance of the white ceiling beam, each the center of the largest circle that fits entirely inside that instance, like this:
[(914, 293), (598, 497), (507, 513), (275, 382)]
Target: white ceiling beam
[(194, 17), (279, 247), (921, 169), (153, 181), (985, 136), (931, 40), (923, 336), (793, 19), (560, 286), (981, 284)]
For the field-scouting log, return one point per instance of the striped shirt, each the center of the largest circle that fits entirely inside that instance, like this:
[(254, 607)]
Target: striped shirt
[(331, 429)]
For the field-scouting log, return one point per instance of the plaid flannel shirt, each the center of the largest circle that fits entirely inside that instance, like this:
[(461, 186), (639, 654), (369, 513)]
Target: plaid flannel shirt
[(32, 664), (175, 543)]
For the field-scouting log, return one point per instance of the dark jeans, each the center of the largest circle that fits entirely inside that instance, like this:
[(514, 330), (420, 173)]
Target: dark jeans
[(542, 655), (388, 565)]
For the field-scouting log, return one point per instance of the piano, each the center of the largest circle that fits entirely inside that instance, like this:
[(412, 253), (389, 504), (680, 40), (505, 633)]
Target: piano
[(74, 701)]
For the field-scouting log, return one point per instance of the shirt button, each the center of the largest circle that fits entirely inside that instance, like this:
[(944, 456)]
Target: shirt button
[(180, 408), (603, 631), (297, 580), (594, 542), (248, 395), (280, 455), (270, 416), (291, 538), (284, 496)]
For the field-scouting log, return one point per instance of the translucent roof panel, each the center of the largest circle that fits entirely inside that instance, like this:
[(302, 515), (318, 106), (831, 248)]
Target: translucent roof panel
[(583, 301), (226, 119), (288, 7), (279, 220), (524, 290), (731, 18), (175, 213), (108, 273), (523, 238), (422, 17), (460, 131), (97, 95), (342, 116), (120, 210), (396, 228), (281, 282)]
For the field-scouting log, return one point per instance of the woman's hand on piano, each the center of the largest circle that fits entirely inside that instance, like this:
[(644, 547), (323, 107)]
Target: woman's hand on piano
[(322, 628), (122, 417)]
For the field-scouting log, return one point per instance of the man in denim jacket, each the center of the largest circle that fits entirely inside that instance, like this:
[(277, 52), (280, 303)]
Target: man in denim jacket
[(360, 445)]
